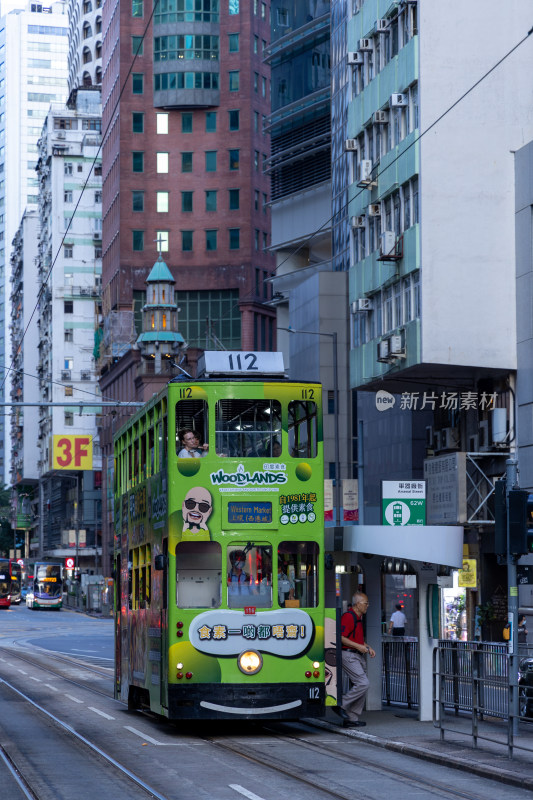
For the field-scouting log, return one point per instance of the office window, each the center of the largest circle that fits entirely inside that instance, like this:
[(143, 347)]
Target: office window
[(211, 240), (67, 196), (211, 200), (68, 306), (210, 160), (161, 161), (256, 82), (68, 251), (265, 239), (161, 122), (234, 80), (69, 334), (137, 201), (186, 241), (162, 202), (256, 160), (69, 418), (137, 9), (234, 199), (210, 121), (265, 203), (263, 86), (186, 122), (161, 238), (234, 159), (137, 82), (186, 202), (263, 11), (137, 240), (234, 238), (68, 168), (256, 239), (256, 200), (137, 161), (137, 45), (137, 122), (234, 119), (186, 162), (233, 42), (256, 121), (256, 44), (233, 6)]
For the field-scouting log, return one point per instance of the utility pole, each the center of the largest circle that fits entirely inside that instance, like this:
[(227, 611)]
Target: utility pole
[(513, 520)]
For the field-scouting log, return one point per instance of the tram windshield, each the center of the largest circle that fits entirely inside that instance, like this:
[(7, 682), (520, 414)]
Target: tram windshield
[(249, 575), (248, 428), (47, 579)]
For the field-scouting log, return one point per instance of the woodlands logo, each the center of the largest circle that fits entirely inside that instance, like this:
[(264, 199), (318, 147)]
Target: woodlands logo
[(243, 478)]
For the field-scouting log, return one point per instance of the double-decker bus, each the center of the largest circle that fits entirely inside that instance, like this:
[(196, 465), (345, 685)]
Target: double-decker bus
[(16, 581), (46, 590), (219, 536), (5, 583)]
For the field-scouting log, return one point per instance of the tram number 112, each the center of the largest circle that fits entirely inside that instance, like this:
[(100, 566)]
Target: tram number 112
[(249, 358), (314, 693)]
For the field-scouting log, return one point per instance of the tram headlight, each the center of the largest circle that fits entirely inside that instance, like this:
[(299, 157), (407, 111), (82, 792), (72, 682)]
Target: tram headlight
[(316, 664), (250, 662)]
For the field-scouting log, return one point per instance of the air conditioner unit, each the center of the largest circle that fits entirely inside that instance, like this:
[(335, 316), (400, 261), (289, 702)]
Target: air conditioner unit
[(85, 291), (382, 25), (365, 170), (374, 210), (380, 117), (61, 134), (65, 375), (357, 222), (388, 242), (450, 439), (396, 346), (364, 304), (97, 235), (85, 376), (365, 44), (383, 351), (355, 58), (398, 100), (350, 145)]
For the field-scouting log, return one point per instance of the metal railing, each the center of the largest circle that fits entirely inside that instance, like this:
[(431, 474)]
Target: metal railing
[(478, 681), (399, 679)]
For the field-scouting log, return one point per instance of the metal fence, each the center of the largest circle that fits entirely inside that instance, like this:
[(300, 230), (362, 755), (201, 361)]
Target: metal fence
[(482, 681), (399, 680)]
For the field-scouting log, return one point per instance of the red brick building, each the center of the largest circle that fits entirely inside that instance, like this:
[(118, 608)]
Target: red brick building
[(184, 95)]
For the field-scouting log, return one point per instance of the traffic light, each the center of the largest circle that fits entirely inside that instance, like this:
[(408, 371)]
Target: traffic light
[(517, 501), (500, 518), (529, 536)]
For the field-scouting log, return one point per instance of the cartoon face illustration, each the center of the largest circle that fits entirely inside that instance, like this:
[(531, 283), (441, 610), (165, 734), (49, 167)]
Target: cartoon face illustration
[(196, 509)]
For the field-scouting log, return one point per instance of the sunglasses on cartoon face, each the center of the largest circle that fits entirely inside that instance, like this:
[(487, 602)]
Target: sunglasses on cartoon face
[(202, 507)]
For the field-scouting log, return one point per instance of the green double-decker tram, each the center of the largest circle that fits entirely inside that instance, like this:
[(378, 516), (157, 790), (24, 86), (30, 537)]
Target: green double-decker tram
[(219, 537)]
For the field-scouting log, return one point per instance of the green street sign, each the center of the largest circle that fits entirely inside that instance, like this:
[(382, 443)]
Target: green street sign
[(403, 502)]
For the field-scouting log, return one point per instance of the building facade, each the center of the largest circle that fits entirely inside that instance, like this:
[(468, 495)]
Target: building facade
[(70, 265), (432, 290), (33, 72)]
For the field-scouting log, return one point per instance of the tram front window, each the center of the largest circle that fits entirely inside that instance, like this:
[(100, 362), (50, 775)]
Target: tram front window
[(249, 575), (191, 421), (302, 429), (248, 428), (297, 581), (198, 574)]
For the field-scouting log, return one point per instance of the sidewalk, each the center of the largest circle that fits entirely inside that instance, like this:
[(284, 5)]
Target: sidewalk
[(399, 729)]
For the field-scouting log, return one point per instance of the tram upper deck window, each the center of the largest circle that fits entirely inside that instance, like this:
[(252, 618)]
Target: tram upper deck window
[(191, 415), (248, 428), (302, 429), (198, 574), (249, 575), (298, 573)]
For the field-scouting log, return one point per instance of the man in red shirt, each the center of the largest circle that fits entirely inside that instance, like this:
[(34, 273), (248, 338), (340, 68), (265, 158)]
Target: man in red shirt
[(354, 652)]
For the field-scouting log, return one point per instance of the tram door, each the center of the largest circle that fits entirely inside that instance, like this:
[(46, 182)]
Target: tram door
[(164, 630)]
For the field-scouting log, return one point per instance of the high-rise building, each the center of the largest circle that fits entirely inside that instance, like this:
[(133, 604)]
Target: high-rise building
[(432, 125), (70, 265), (184, 95), (84, 44), (33, 73)]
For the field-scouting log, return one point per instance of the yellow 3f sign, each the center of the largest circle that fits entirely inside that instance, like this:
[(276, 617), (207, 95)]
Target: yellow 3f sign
[(72, 452)]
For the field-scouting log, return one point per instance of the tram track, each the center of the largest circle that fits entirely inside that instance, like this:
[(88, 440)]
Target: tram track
[(18, 770), (433, 787)]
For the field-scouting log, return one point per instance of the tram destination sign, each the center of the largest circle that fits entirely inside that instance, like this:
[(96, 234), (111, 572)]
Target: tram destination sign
[(249, 513), (403, 502), (237, 362)]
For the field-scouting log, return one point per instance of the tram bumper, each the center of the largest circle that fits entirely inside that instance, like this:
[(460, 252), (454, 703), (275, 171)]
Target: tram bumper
[(237, 701)]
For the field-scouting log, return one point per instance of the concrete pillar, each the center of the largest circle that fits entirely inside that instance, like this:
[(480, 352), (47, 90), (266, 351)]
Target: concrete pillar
[(425, 645), (372, 569)]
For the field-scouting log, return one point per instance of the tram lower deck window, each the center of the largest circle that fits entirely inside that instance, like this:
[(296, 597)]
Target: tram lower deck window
[(298, 574), (198, 574), (249, 575)]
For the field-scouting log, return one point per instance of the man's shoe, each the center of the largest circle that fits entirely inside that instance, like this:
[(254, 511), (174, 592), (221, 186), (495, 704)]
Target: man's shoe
[(341, 712), (354, 723)]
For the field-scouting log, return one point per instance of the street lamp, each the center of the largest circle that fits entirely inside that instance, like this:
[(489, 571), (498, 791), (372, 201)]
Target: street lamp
[(333, 337)]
